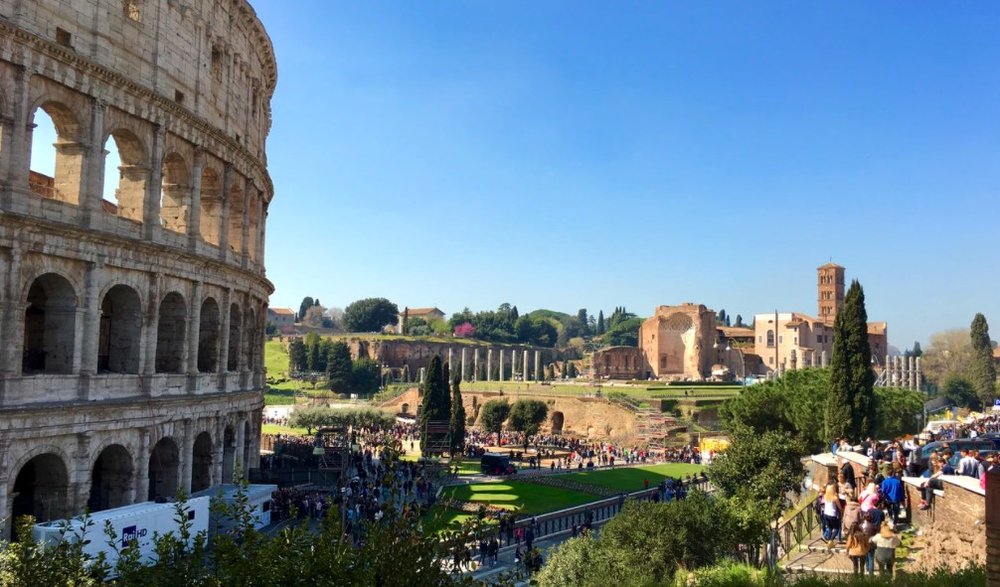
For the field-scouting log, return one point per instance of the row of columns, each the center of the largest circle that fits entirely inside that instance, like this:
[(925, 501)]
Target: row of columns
[(526, 372), (903, 372)]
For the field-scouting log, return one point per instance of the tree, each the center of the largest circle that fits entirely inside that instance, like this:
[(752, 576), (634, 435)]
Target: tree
[(897, 412), (950, 353), (297, 356), (370, 315), (457, 417), (465, 330), (526, 415), (722, 319), (313, 317), (581, 316), (493, 414), (982, 370), (600, 322), (739, 321), (624, 333), (436, 403), (760, 468), (339, 370), (916, 351), (961, 391), (850, 406), (366, 376), (316, 362), (307, 302)]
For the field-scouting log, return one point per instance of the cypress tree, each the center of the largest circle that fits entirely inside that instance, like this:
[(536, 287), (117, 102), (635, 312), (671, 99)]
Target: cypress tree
[(339, 369), (600, 322), (435, 405), (850, 407), (457, 418), (982, 371)]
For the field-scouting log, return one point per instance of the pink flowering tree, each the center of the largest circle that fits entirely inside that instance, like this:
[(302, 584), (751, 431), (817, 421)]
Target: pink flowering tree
[(465, 330)]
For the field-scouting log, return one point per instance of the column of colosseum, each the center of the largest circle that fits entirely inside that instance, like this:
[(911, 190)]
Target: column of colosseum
[(132, 326)]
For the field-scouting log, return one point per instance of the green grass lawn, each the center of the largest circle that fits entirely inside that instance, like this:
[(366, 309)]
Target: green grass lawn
[(279, 397), (526, 497), (630, 478), (276, 358), (276, 429), (440, 518)]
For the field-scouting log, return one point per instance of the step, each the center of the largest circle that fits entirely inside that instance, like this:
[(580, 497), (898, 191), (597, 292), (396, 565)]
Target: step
[(824, 563)]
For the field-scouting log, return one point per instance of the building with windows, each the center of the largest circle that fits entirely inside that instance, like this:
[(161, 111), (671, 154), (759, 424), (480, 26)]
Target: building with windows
[(132, 329)]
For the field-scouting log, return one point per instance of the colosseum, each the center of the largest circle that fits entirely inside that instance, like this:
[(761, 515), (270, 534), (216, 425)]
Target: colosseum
[(131, 325)]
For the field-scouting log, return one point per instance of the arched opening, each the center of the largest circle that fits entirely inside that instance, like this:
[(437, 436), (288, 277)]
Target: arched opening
[(228, 454), (175, 194), (201, 462), (770, 338), (677, 343), (247, 445), (210, 215), (125, 192), (111, 479), (41, 489), (404, 409), (121, 326), (55, 170), (235, 328), (236, 206), (164, 470), (208, 337), (557, 422), (49, 326), (170, 334)]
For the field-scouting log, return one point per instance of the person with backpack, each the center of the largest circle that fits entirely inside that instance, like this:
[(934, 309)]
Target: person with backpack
[(858, 546)]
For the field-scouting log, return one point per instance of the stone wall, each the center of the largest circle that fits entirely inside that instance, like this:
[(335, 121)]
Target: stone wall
[(619, 362), (953, 531), (678, 342)]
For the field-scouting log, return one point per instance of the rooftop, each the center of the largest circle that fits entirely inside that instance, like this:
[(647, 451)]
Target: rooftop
[(283, 311)]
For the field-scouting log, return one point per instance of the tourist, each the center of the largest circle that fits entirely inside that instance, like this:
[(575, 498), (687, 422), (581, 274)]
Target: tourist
[(852, 514), (986, 467), (885, 544), (894, 494), (968, 465), (831, 514), (857, 548)]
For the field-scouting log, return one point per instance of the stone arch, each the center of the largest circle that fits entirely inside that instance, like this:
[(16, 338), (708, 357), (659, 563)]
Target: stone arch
[(49, 326), (235, 329), (208, 337), (120, 331), (170, 334), (111, 479), (175, 193), (210, 217), (557, 422), (201, 462), (129, 195), (228, 454), (237, 203), (164, 469), (41, 488), (64, 182)]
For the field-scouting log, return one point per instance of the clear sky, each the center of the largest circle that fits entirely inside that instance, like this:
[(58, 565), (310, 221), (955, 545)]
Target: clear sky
[(571, 155)]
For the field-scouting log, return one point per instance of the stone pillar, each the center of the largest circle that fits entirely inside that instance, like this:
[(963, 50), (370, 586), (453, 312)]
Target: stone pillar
[(538, 365), (524, 366), (475, 364), (187, 454), (500, 371), (489, 364), (194, 213), (920, 376), (449, 363), (218, 449), (193, 327), (464, 372), (223, 361), (245, 227), (86, 343), (141, 492), (13, 317), (823, 360), (240, 442), (150, 326), (91, 185), (227, 202), (154, 184), (80, 477), (17, 145)]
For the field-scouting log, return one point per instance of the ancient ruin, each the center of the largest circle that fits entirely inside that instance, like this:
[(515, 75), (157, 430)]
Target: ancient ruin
[(140, 371)]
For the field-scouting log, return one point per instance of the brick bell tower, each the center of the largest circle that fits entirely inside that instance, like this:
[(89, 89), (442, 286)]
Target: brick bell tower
[(830, 291)]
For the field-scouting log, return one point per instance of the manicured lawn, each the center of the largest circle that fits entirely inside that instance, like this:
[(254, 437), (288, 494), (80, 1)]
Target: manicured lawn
[(278, 397), (276, 358), (276, 429), (440, 518), (630, 478), (528, 498)]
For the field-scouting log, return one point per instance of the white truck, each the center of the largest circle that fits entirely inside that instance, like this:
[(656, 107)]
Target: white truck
[(258, 498), (137, 522)]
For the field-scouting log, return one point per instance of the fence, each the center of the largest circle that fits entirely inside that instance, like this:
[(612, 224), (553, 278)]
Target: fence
[(790, 533)]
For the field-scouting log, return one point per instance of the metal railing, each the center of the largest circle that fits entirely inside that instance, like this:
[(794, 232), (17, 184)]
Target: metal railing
[(788, 534)]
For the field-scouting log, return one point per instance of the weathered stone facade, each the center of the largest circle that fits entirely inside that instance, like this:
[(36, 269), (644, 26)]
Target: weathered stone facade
[(678, 342), (618, 362), (132, 333)]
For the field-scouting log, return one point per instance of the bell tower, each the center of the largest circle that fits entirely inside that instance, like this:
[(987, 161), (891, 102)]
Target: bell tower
[(830, 291)]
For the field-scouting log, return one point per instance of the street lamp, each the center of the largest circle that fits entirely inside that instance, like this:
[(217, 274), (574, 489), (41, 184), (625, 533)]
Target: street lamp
[(743, 363)]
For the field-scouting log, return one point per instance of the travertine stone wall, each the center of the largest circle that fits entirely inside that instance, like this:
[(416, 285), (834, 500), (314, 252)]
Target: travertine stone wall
[(677, 342), (131, 362)]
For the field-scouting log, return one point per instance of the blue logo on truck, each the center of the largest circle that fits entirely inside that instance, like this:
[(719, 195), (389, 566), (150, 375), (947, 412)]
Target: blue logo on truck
[(131, 533)]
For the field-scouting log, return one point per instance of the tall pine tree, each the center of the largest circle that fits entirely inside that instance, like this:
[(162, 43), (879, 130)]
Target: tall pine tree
[(982, 371), (850, 408), (435, 405), (600, 322), (457, 418), (339, 369)]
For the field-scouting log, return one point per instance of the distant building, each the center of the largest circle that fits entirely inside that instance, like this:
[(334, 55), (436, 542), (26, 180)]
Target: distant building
[(282, 318), (791, 340), (830, 291), (678, 342), (427, 314), (740, 336)]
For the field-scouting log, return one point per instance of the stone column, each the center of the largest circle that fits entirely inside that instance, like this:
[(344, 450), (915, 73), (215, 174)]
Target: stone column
[(464, 372), (227, 185), (913, 372), (920, 376), (154, 184), (150, 326), (187, 454), (245, 227), (823, 358), (18, 146), (500, 378), (193, 330), (194, 212), (80, 477), (240, 441), (524, 366), (88, 333), (91, 182), (489, 364), (218, 449), (13, 316), (475, 364), (141, 492), (538, 365), (223, 362)]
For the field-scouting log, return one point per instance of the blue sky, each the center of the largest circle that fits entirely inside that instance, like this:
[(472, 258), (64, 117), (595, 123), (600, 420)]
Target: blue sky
[(595, 154), (573, 154)]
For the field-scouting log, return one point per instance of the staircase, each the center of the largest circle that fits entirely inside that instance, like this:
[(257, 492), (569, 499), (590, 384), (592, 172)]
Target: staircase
[(816, 558)]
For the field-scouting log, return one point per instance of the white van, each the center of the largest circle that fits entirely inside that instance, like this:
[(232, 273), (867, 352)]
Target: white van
[(935, 426)]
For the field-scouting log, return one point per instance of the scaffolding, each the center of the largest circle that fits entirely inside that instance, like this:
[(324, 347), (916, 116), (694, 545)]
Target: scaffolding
[(436, 438)]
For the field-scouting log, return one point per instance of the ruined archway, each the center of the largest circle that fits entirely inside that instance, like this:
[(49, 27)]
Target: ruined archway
[(201, 462), (210, 213), (228, 454), (49, 326), (125, 192), (110, 479), (56, 175), (235, 329), (208, 337), (120, 331), (557, 422), (164, 470), (175, 194), (41, 489), (170, 334)]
